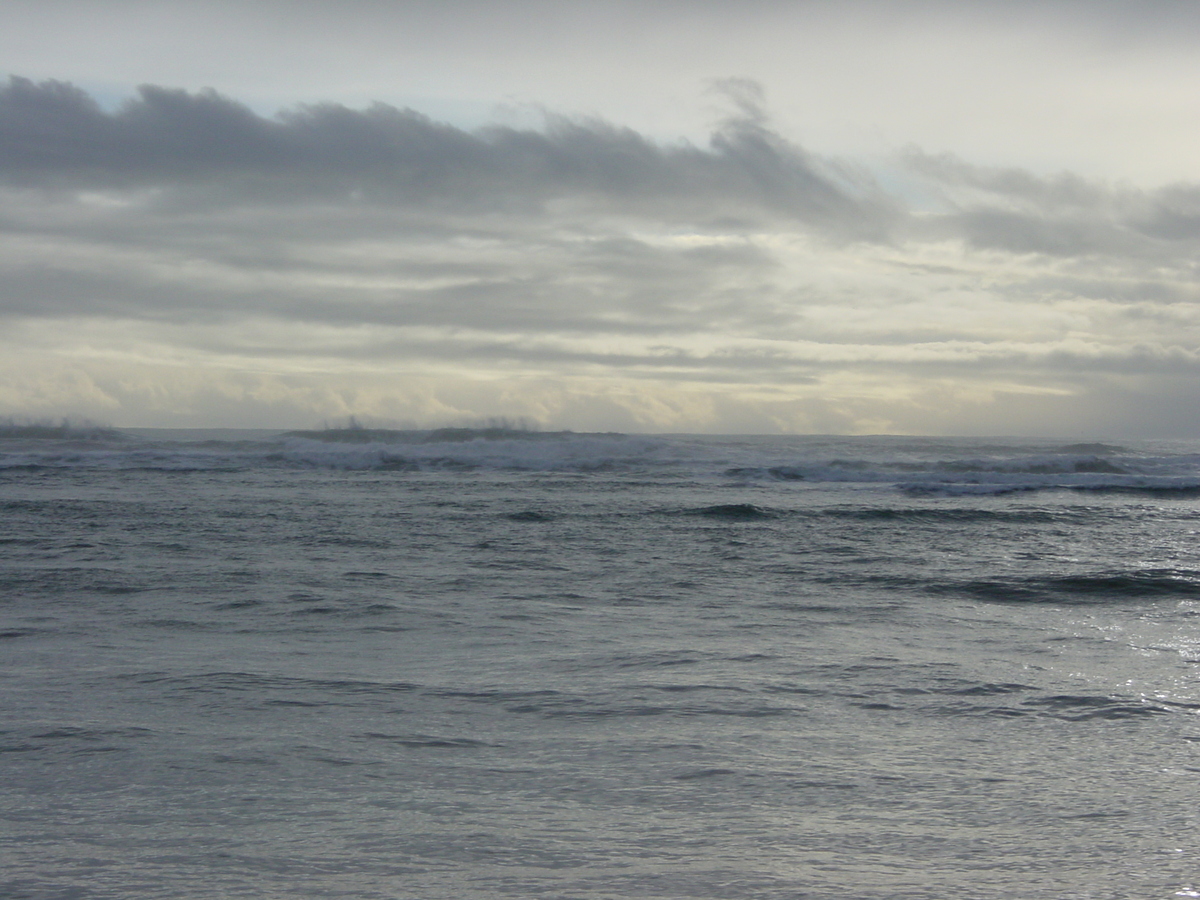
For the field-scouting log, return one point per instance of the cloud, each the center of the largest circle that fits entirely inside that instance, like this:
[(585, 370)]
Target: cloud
[(181, 258), (55, 135), (1061, 215)]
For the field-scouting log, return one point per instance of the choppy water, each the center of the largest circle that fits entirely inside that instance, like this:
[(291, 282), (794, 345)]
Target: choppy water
[(493, 665)]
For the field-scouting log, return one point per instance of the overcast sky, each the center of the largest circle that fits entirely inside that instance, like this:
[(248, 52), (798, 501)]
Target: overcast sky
[(912, 217)]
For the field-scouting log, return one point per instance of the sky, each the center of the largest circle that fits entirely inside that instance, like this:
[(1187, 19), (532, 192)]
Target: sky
[(976, 218)]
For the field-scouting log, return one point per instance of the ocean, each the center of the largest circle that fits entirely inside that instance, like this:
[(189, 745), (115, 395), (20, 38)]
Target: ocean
[(484, 663)]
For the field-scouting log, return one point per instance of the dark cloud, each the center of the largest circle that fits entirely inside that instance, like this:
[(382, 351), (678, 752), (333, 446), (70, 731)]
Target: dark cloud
[(1019, 232), (1060, 215), (56, 133), (1171, 213), (52, 134), (1064, 191)]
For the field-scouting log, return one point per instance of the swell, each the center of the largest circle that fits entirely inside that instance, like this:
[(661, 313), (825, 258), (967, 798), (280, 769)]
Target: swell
[(1140, 585)]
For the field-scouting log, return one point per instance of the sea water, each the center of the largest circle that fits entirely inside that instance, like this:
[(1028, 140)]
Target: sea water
[(499, 664)]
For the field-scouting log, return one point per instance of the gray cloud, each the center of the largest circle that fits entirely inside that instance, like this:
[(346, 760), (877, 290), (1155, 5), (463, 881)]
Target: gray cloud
[(1060, 215), (53, 134)]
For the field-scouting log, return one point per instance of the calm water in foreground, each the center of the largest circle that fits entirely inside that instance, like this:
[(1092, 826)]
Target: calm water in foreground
[(460, 665)]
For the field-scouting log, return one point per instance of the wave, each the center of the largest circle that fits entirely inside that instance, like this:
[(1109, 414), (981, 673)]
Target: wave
[(1163, 487), (1064, 707), (64, 430), (939, 514), (733, 512), (358, 434), (474, 449), (1081, 588), (1012, 700), (442, 450), (786, 463), (1095, 468), (768, 473)]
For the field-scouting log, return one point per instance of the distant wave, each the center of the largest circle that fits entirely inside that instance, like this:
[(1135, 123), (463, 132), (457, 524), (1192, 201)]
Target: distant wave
[(357, 434), (781, 464), (465, 449), (64, 430)]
